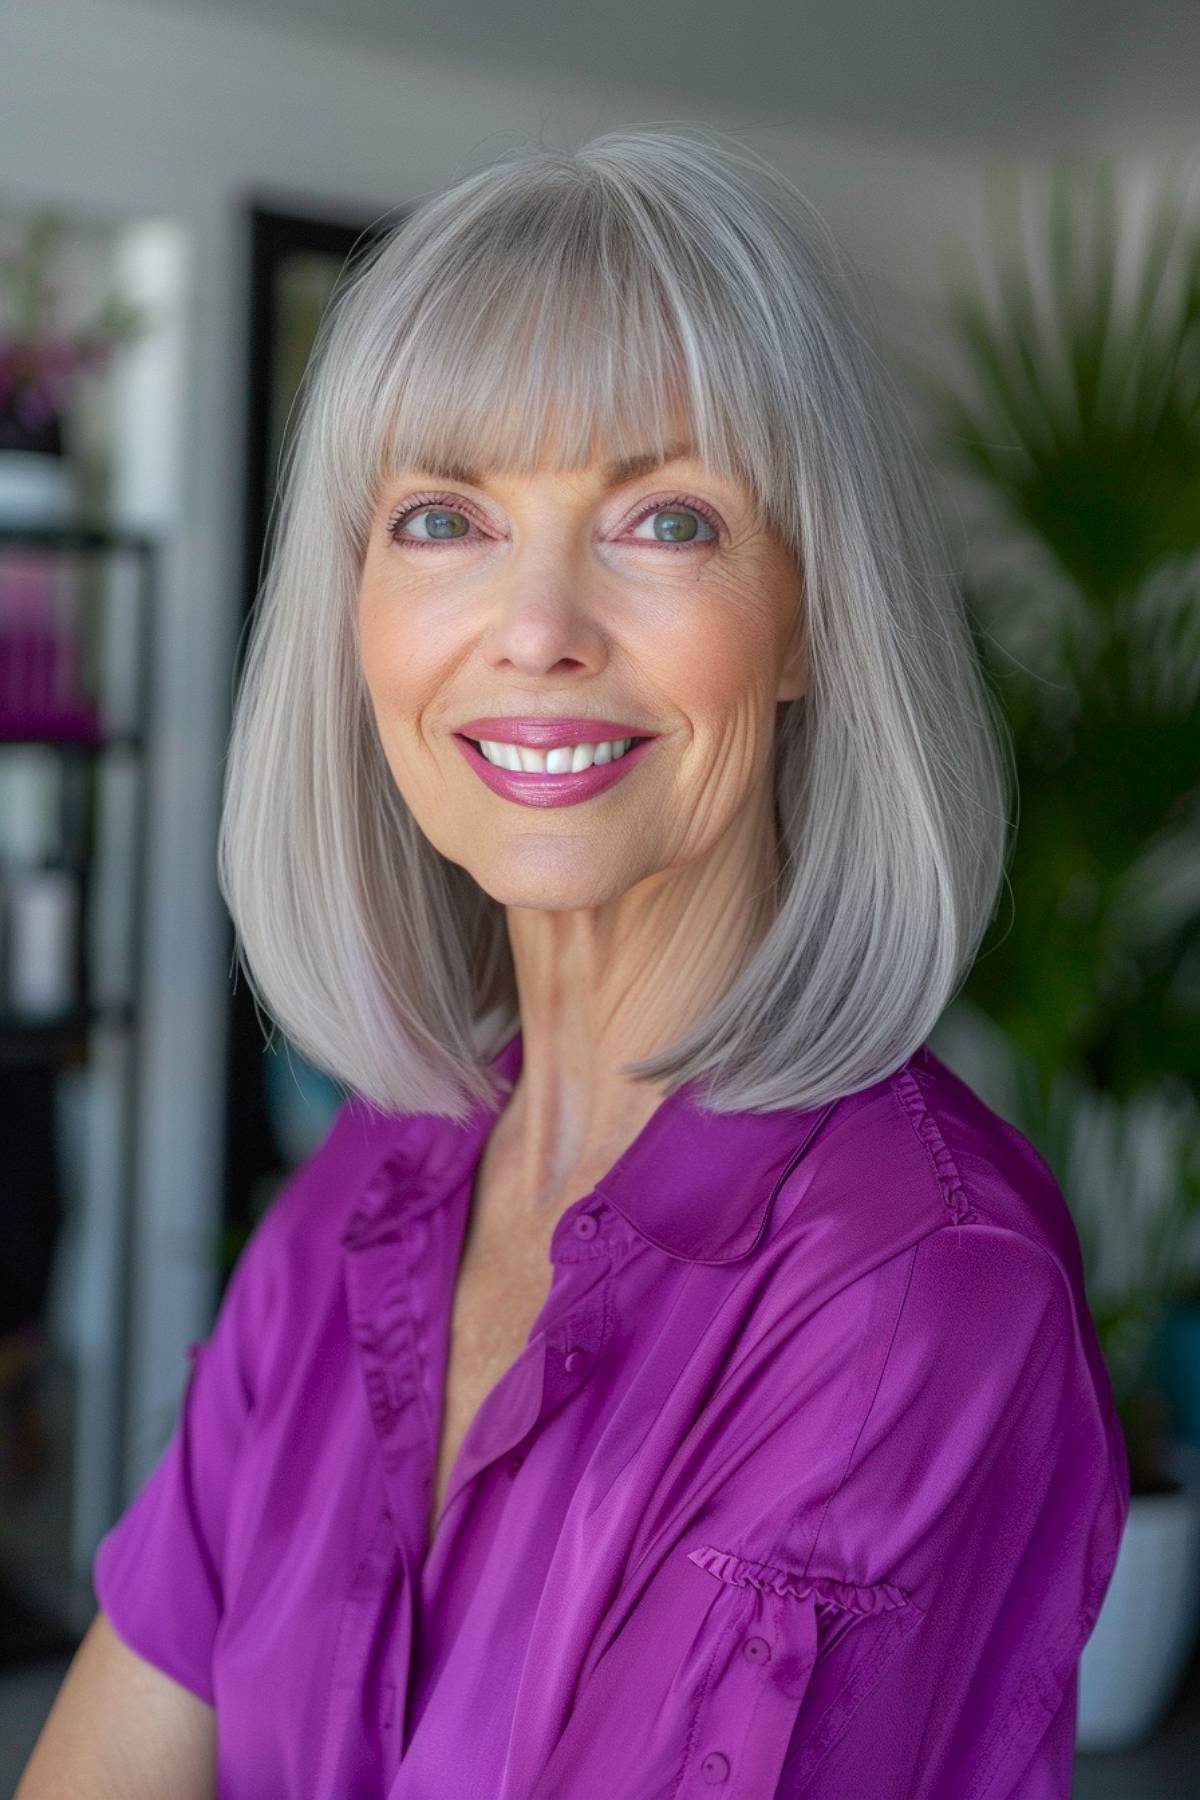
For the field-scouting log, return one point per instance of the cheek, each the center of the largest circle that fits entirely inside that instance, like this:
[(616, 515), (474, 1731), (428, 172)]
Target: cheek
[(734, 716), (389, 662), (372, 639), (406, 646), (726, 678)]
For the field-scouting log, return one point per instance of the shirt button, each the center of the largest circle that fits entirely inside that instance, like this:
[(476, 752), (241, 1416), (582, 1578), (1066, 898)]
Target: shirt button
[(574, 1359), (756, 1650), (715, 1767), (586, 1226)]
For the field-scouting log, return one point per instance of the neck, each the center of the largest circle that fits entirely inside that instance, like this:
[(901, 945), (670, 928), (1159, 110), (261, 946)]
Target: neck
[(602, 987)]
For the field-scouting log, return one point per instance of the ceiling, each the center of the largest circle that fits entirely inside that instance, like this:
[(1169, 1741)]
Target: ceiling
[(977, 72)]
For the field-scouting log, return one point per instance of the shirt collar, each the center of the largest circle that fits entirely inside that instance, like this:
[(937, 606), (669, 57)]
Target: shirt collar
[(698, 1185)]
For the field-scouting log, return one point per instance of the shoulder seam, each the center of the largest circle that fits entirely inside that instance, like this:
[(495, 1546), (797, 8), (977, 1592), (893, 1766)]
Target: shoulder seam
[(911, 1099)]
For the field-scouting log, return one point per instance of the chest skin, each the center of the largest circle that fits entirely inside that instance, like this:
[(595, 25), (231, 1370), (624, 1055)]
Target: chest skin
[(504, 1278)]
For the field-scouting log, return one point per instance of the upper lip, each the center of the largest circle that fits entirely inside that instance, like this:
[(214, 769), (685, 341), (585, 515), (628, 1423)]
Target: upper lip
[(549, 734)]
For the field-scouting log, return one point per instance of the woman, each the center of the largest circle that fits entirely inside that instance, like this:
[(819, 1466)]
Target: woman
[(667, 1374)]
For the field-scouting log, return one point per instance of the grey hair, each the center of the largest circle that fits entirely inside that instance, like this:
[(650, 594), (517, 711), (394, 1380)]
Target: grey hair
[(546, 305)]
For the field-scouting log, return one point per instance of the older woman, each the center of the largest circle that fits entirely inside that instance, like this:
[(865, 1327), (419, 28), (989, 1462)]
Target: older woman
[(667, 1375)]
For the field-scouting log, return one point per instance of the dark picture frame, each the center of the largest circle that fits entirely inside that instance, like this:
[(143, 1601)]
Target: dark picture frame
[(295, 265)]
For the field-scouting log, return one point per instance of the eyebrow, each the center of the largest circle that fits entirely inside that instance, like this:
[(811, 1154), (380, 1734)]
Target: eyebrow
[(625, 468)]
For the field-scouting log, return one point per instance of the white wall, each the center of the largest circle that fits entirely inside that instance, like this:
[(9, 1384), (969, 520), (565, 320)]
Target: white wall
[(169, 120)]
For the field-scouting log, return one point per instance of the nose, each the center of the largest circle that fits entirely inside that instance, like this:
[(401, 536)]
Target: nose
[(545, 608)]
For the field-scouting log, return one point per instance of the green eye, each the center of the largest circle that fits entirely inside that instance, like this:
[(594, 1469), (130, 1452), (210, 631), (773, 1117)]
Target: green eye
[(442, 522), (678, 523), (680, 527)]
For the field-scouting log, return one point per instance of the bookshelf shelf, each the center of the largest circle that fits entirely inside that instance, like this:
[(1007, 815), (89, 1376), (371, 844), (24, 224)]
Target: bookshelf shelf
[(75, 618)]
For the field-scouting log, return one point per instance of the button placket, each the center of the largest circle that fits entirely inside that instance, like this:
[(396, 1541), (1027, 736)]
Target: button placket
[(340, 1745), (766, 1648), (554, 1366), (715, 1767), (376, 1298), (574, 1345), (586, 1233)]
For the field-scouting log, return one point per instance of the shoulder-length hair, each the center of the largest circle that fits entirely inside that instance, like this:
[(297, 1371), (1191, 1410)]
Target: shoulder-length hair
[(545, 309)]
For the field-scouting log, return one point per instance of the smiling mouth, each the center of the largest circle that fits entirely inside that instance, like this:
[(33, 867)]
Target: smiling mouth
[(554, 787), (630, 744)]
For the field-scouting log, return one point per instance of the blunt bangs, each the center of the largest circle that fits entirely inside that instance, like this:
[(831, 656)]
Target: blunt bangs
[(548, 311), (548, 331)]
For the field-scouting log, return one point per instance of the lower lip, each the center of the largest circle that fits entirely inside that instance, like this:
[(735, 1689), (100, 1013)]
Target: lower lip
[(552, 790)]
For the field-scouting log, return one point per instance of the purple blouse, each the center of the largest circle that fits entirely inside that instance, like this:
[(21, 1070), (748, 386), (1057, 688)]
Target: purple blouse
[(808, 1480)]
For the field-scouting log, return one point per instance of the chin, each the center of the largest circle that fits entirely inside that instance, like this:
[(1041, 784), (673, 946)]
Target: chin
[(551, 887)]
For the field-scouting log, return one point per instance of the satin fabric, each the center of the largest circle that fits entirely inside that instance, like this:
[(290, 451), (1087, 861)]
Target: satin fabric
[(807, 1482)]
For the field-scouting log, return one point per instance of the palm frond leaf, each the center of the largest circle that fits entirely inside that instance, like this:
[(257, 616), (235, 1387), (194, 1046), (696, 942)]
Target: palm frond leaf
[(1084, 414)]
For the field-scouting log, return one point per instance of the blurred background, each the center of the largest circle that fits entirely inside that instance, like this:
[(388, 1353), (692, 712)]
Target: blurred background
[(183, 183)]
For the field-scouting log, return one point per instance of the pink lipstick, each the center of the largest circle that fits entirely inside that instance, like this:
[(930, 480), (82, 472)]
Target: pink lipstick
[(536, 789)]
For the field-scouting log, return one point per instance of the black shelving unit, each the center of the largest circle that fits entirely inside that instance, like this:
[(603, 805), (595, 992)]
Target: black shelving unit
[(35, 1049), (63, 1038)]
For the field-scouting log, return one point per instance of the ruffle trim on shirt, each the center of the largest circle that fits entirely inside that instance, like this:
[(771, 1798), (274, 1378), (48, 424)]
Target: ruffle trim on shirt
[(406, 1184), (907, 1089), (881, 1597)]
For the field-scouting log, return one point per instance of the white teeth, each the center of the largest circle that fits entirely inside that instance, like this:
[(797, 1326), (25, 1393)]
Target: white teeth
[(565, 759)]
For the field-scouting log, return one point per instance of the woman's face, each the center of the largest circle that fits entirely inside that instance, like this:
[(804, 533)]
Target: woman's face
[(653, 599)]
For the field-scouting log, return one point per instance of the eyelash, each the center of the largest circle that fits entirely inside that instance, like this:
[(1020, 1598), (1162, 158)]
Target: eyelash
[(409, 508)]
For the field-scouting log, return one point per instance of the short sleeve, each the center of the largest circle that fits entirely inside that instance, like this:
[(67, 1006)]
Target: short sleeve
[(157, 1573), (989, 1485)]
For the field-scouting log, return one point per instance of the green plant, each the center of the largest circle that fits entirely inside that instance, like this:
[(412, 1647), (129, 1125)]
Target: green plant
[(1077, 422), (1130, 1169), (42, 359)]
